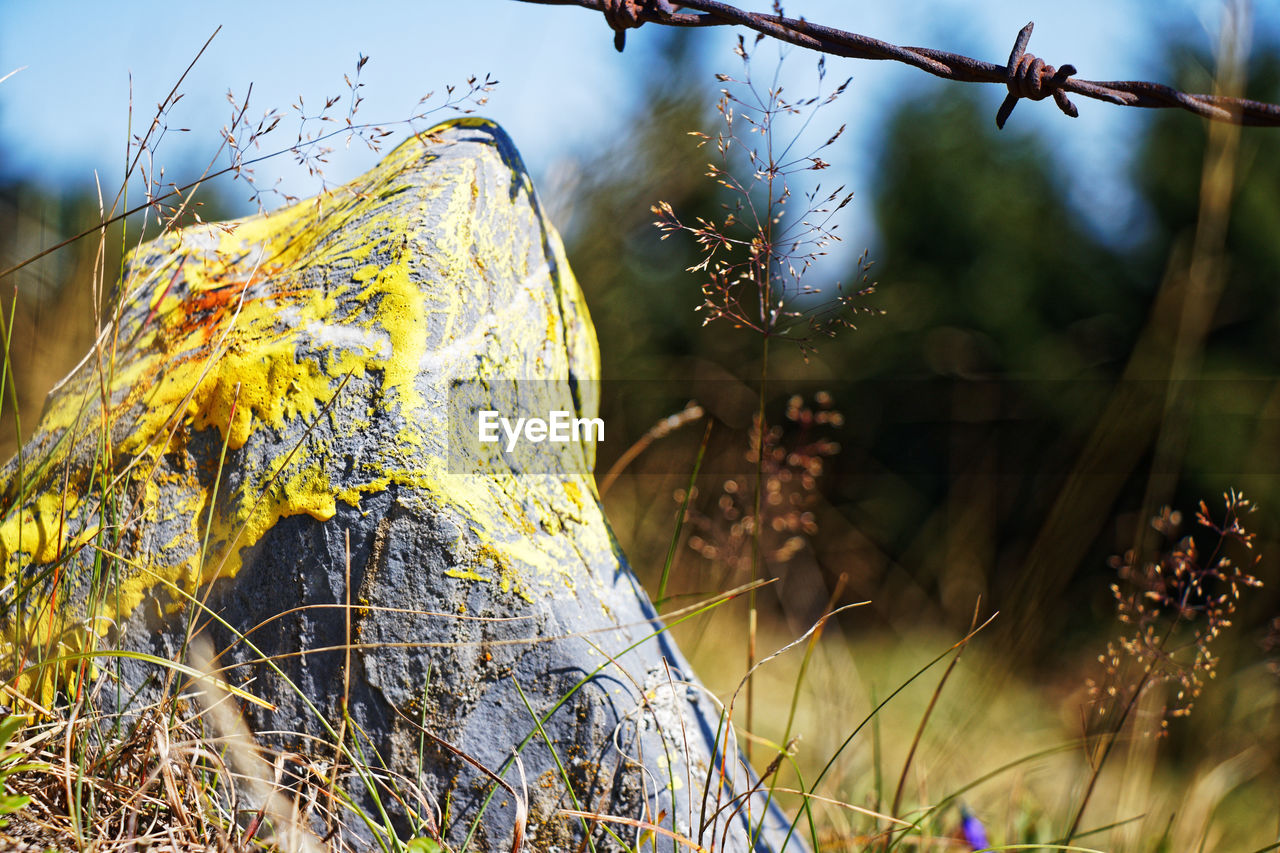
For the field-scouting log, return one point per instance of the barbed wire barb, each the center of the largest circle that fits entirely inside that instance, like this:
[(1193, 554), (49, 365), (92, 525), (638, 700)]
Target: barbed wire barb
[(1024, 75)]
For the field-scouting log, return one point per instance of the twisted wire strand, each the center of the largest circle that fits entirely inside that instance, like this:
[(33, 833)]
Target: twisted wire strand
[(1024, 75)]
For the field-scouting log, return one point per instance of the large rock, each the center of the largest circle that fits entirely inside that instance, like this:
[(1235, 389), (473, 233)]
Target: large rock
[(279, 421)]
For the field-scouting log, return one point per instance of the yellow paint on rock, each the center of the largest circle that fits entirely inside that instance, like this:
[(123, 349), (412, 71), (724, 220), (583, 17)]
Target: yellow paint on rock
[(35, 531), (220, 344), (265, 380)]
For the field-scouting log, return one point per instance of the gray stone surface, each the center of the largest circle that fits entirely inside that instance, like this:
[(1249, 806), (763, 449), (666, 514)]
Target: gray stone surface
[(289, 404)]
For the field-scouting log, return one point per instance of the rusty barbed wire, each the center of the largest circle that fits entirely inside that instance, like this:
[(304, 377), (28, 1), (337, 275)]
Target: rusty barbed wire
[(1024, 75)]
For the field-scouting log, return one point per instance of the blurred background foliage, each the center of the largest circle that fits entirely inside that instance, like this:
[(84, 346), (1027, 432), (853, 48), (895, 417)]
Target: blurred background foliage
[(1015, 417), (1009, 321), (1000, 420)]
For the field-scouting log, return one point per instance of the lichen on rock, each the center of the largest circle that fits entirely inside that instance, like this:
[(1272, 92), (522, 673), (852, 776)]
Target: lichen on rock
[(268, 432)]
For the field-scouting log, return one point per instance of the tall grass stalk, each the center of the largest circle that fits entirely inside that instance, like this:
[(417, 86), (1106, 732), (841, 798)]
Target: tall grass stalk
[(756, 257)]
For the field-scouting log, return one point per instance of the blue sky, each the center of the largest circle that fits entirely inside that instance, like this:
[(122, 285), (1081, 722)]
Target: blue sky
[(562, 87)]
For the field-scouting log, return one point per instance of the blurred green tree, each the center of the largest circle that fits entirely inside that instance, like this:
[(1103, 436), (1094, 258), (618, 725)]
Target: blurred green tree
[(1016, 403)]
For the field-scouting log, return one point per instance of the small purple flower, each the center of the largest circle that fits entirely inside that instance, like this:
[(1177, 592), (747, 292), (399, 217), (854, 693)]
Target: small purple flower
[(974, 833)]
